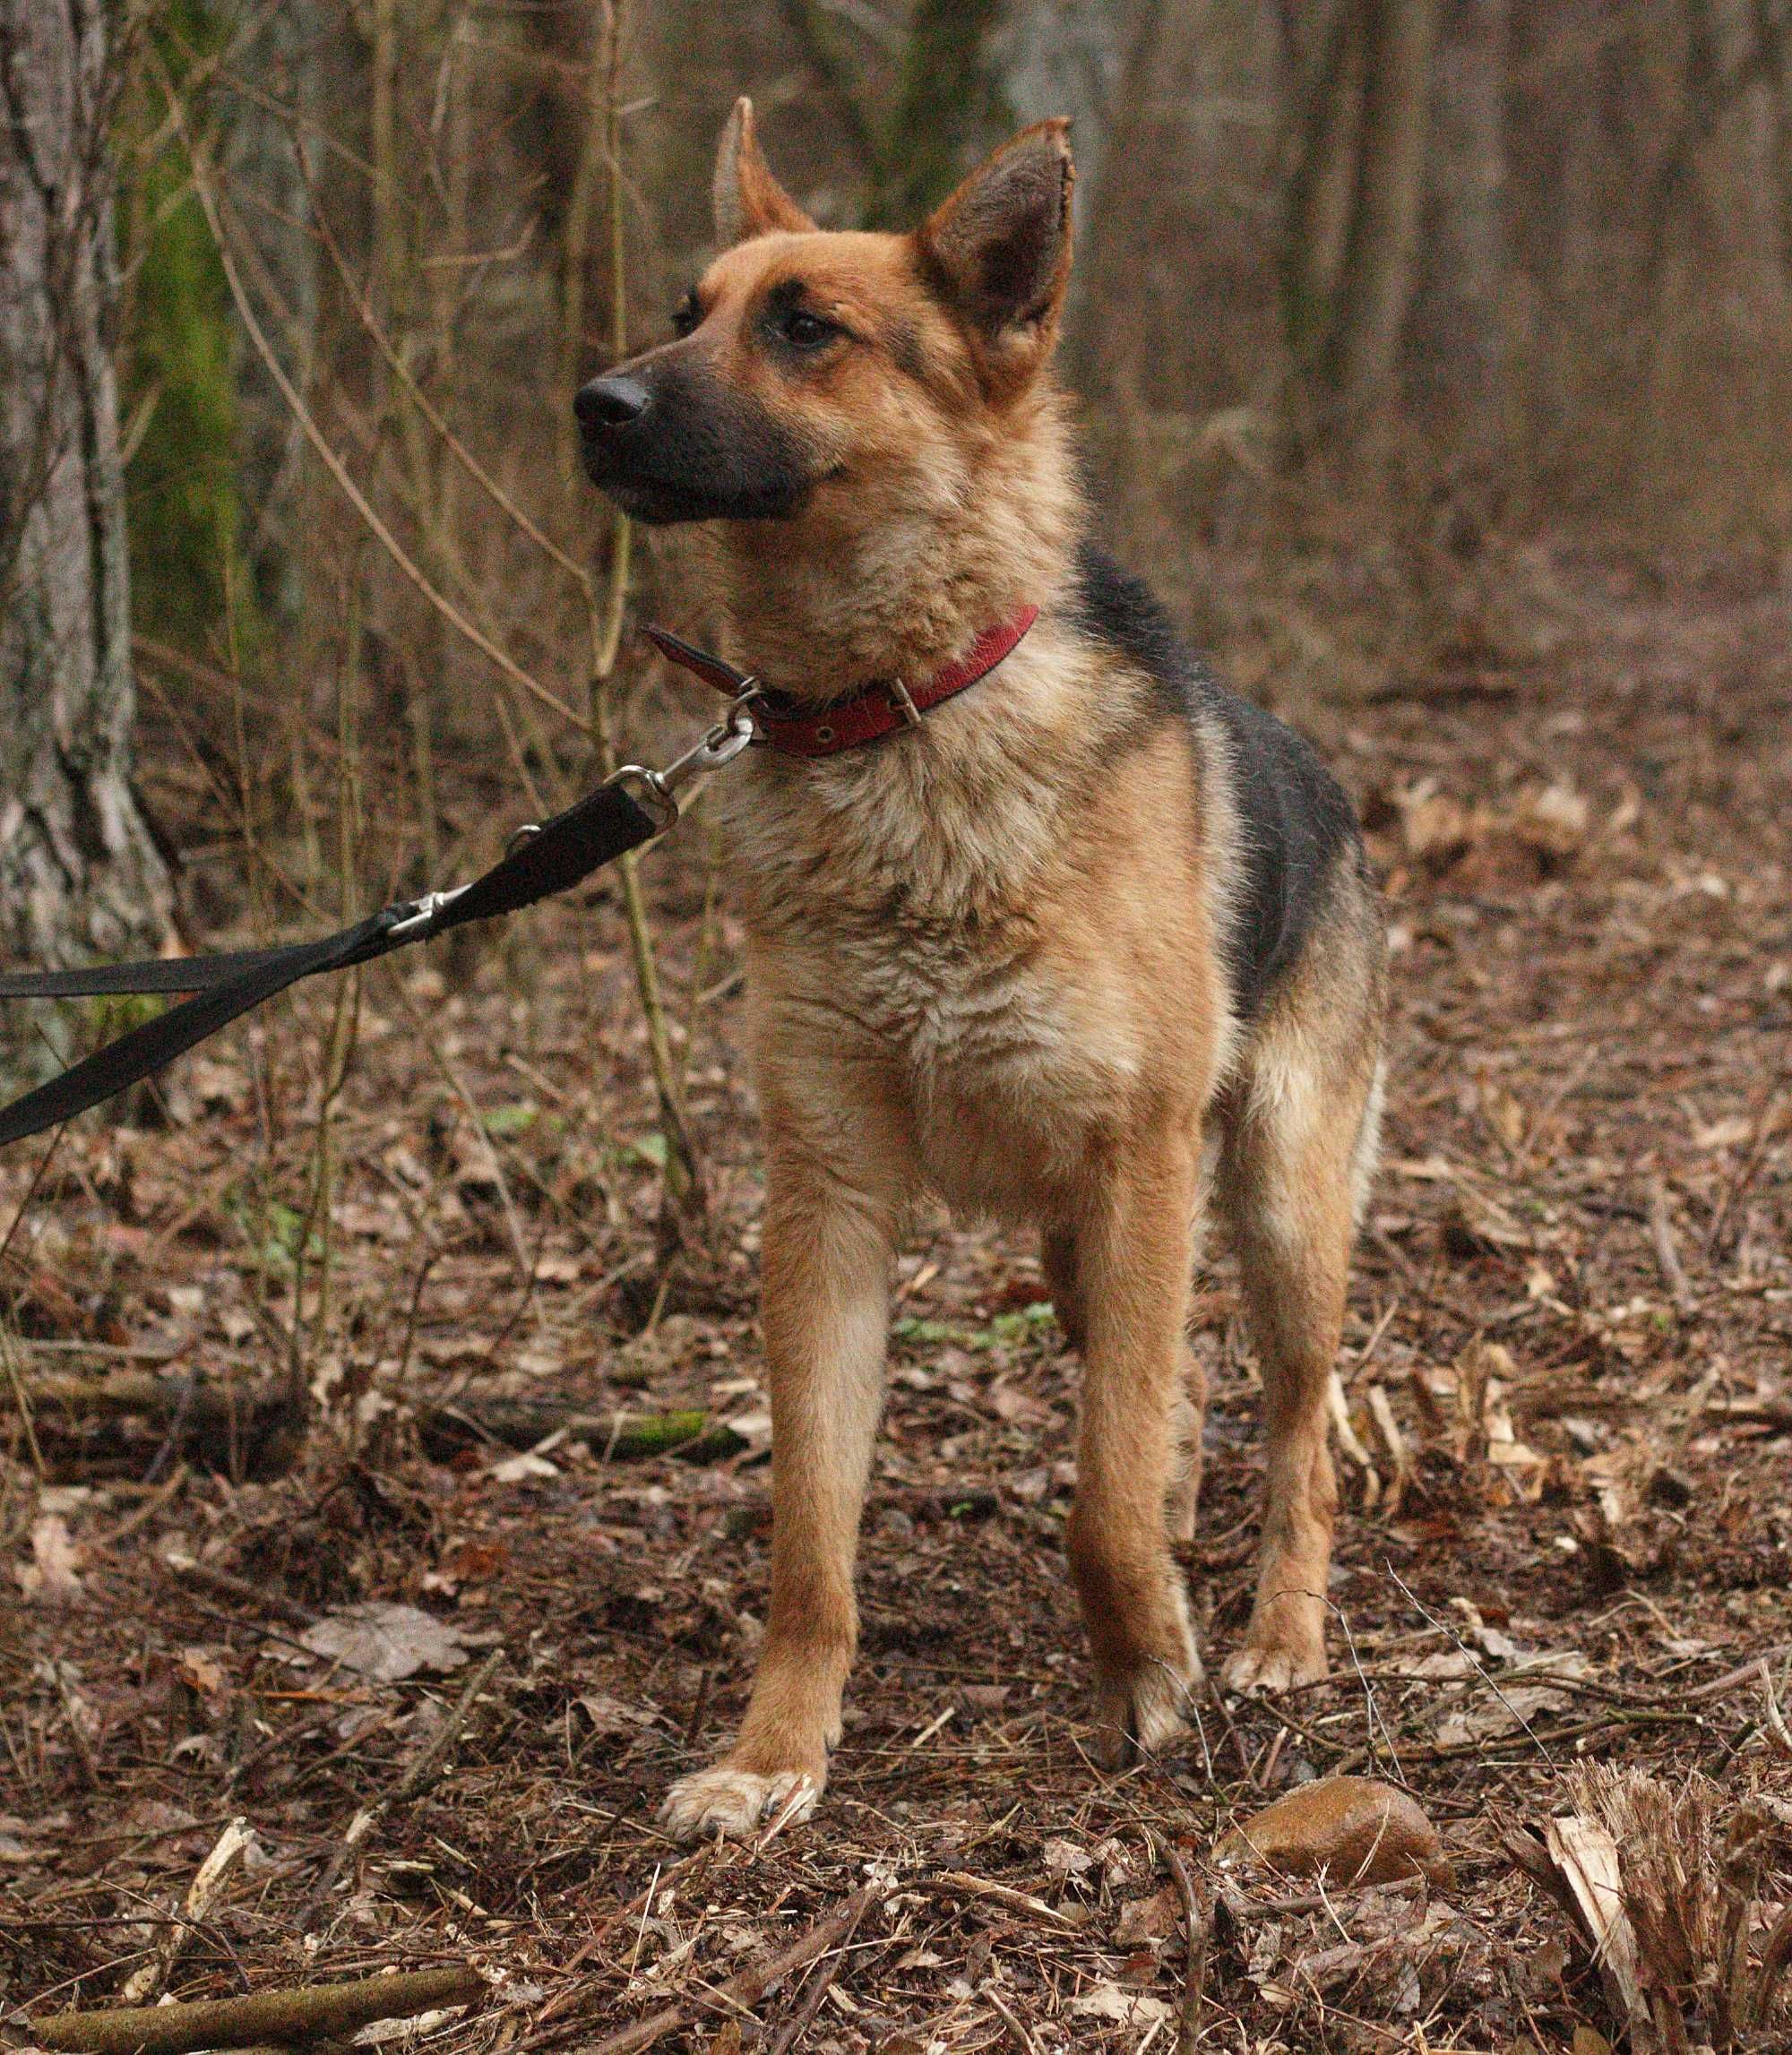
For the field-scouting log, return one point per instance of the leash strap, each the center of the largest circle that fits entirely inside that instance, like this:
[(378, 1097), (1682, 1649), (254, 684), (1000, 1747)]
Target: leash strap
[(593, 832)]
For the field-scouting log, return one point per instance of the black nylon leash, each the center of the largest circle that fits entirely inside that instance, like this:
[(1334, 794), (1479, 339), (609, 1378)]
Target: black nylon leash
[(627, 810)]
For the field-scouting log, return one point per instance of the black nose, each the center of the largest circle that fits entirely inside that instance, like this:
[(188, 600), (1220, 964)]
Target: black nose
[(611, 402)]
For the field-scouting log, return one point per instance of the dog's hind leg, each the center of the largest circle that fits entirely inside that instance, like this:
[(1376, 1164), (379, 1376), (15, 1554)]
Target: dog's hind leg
[(1134, 1251), (1300, 1144), (827, 1253)]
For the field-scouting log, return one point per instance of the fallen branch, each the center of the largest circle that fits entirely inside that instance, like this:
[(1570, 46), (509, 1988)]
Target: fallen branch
[(82, 1420), (741, 1991), (444, 1431), (83, 1423), (323, 2011), (1668, 1253)]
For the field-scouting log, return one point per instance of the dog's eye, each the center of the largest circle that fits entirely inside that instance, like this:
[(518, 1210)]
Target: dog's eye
[(686, 315), (806, 331)]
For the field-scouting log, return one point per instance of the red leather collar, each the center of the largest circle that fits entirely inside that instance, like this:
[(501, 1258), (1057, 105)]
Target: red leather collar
[(878, 709)]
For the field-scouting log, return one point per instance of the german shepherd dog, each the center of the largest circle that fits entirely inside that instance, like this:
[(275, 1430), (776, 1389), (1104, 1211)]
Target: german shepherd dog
[(1091, 944)]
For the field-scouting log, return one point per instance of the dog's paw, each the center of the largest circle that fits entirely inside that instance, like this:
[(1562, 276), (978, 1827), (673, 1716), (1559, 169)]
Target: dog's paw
[(1143, 1712), (733, 1801), (1275, 1667)]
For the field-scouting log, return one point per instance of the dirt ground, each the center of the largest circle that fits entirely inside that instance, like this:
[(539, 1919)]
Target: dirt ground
[(1564, 1539)]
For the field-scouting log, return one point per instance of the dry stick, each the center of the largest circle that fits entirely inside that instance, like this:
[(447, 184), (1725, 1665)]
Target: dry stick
[(1017, 2031), (959, 1884), (1197, 1919), (432, 414), (818, 1986), (414, 1780), (743, 1991), (220, 1581), (9, 1359), (439, 1057), (1748, 1168), (314, 436), (1668, 1253), (318, 2011)]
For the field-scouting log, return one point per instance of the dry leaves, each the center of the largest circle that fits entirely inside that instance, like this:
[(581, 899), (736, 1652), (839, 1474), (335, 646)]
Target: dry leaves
[(386, 1642)]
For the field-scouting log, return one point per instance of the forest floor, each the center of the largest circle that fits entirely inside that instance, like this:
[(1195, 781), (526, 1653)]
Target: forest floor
[(1565, 1537)]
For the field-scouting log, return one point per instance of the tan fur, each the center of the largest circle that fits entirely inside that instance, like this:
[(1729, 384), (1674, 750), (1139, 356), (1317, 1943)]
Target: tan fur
[(985, 961)]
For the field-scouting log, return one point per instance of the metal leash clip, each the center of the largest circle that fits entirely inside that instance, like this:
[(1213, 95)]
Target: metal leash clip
[(422, 911), (657, 791)]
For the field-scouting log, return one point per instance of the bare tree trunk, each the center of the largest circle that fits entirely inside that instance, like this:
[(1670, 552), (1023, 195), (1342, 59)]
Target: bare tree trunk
[(1321, 178), (949, 112), (80, 874), (1066, 57), (1378, 265), (1459, 337)]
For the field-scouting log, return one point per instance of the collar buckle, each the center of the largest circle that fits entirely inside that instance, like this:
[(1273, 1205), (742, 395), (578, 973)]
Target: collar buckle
[(904, 704)]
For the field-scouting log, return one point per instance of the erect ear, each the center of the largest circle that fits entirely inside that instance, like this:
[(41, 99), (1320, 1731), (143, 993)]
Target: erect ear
[(749, 200), (998, 252)]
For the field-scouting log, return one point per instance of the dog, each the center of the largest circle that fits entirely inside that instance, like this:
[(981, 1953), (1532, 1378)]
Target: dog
[(1092, 945)]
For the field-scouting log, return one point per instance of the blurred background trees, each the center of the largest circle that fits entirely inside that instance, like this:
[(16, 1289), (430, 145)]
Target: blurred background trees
[(1369, 293)]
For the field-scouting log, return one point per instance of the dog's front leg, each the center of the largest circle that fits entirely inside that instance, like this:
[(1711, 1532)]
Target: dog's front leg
[(1134, 1246), (827, 1251)]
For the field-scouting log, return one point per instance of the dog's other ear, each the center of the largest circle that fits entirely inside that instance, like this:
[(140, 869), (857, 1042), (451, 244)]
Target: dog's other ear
[(749, 200), (998, 252)]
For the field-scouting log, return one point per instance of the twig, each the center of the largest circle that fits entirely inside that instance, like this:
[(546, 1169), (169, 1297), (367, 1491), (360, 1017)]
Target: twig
[(420, 1772), (745, 1990), (77, 1733), (960, 1885), (1017, 2031), (331, 2011), (818, 1986), (1668, 1253), (1197, 1920), (220, 1581)]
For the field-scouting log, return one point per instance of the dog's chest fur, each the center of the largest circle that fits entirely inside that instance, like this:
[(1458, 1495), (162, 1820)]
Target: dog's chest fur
[(923, 912)]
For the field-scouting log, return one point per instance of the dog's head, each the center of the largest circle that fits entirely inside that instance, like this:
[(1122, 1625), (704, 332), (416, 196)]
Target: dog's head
[(805, 364)]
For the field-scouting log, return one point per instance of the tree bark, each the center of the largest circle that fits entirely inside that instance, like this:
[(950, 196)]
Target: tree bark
[(1066, 57), (80, 874), (1458, 333), (1378, 264), (949, 112)]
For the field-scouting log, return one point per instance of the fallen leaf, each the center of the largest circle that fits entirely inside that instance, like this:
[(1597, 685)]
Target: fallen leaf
[(1065, 1859), (202, 1673), (385, 1641), (1356, 1828), (1124, 2008), (1152, 1919), (53, 1573), (609, 1715)]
